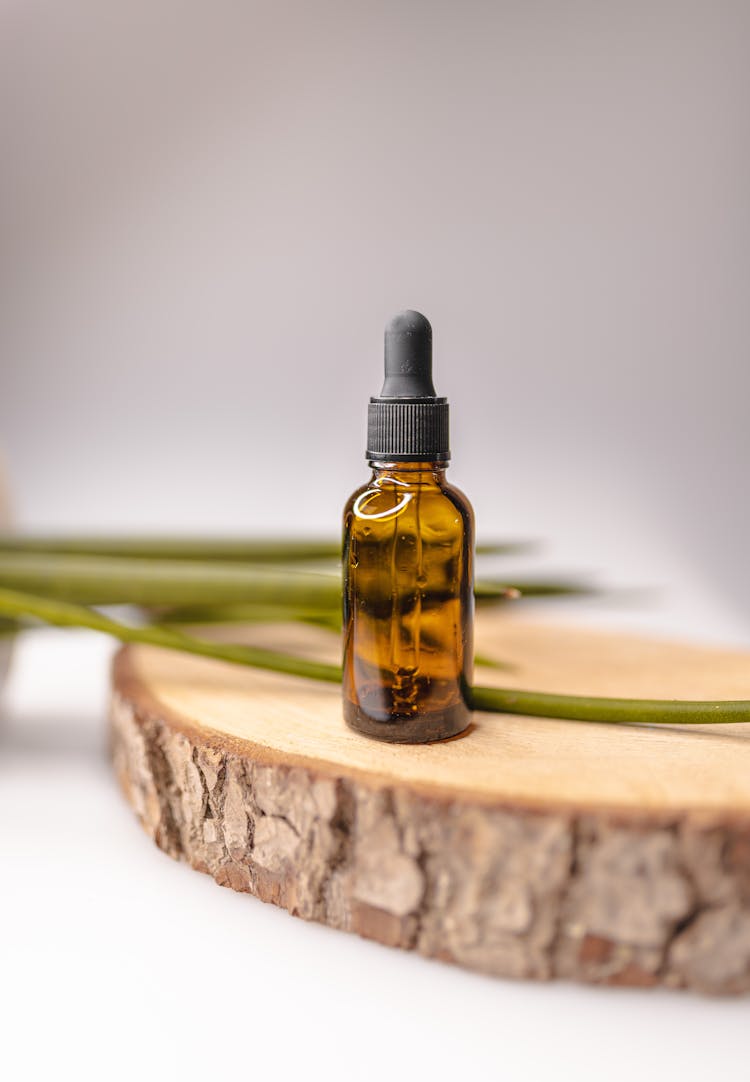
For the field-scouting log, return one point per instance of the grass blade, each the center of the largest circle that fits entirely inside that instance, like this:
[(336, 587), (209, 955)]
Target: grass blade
[(243, 549), (16, 605), (112, 580), (64, 614)]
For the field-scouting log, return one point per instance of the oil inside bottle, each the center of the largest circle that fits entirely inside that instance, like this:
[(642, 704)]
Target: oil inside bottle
[(408, 605)]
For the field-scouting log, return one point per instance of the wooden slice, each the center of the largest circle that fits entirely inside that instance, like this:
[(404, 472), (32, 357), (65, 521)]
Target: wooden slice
[(526, 848)]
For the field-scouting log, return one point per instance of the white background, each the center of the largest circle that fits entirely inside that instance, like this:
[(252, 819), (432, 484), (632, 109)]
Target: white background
[(208, 212)]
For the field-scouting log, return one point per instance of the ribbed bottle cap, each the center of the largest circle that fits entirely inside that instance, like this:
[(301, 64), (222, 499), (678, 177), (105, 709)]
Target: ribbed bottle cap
[(407, 422)]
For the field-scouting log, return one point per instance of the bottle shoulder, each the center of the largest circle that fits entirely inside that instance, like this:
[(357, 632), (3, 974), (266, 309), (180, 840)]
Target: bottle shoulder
[(418, 504), (459, 498), (348, 506)]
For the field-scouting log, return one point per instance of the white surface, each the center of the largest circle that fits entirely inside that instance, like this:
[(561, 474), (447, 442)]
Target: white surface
[(120, 963)]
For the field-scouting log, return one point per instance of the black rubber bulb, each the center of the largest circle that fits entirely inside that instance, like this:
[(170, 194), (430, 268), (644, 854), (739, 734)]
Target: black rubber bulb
[(408, 357)]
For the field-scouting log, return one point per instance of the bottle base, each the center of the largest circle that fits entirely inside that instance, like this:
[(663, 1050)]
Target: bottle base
[(421, 729)]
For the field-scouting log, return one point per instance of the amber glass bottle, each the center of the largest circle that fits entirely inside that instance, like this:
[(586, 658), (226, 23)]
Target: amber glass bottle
[(408, 561)]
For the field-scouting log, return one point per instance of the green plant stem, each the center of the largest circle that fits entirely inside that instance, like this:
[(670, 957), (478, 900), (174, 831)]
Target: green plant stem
[(114, 580), (614, 711), (65, 614), (249, 550), (246, 613), (482, 661), (244, 550), (489, 589), (15, 605)]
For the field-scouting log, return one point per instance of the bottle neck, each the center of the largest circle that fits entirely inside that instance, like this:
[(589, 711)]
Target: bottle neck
[(411, 472)]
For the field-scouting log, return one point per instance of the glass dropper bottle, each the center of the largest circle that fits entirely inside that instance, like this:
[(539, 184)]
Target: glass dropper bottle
[(408, 561)]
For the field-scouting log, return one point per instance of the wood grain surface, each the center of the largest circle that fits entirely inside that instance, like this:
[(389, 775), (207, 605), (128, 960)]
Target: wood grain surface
[(527, 847)]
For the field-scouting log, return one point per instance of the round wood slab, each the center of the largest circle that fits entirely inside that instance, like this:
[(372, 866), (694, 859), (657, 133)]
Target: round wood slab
[(526, 848)]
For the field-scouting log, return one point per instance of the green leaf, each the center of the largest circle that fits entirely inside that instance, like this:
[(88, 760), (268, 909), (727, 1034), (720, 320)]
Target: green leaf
[(16, 605), (244, 549)]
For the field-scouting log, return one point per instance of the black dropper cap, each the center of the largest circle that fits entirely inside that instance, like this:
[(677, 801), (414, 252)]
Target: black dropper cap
[(407, 422)]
